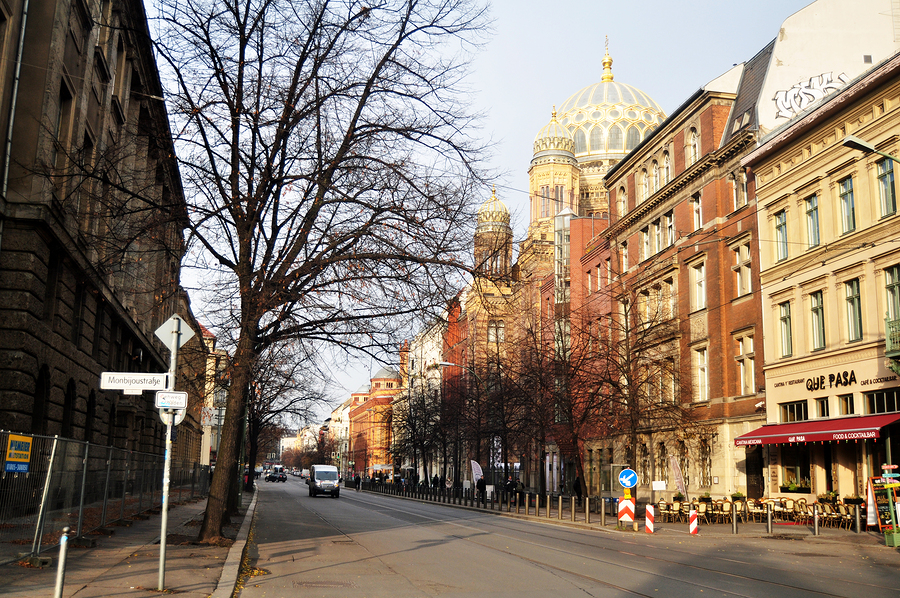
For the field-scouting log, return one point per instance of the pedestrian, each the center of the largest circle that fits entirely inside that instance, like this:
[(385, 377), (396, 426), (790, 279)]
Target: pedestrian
[(578, 488), (358, 482), (481, 487), (520, 490)]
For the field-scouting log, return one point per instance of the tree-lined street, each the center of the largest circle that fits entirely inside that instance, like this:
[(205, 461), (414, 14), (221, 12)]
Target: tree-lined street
[(374, 545)]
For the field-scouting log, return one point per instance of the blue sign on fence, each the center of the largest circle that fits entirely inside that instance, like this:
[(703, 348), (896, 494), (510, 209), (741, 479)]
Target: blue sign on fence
[(16, 467)]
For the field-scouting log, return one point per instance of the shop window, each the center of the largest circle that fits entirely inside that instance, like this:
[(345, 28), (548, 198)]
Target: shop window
[(822, 407), (846, 402), (795, 411), (795, 465), (885, 401)]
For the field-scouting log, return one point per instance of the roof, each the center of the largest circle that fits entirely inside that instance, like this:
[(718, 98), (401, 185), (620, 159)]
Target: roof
[(744, 113)]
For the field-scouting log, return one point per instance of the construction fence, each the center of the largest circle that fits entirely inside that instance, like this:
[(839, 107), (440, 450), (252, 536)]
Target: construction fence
[(48, 483)]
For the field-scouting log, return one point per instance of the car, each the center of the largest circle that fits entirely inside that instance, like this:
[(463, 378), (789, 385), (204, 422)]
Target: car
[(276, 475), (324, 479)]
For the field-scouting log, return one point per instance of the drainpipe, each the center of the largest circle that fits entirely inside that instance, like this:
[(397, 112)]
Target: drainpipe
[(15, 97)]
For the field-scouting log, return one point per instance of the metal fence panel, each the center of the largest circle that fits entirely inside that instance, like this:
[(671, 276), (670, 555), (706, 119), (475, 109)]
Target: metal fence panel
[(85, 487)]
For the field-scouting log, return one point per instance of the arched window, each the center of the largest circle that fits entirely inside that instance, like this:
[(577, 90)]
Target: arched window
[(621, 202), (615, 138), (654, 181), (667, 168), (41, 400), (68, 413), (632, 139), (662, 463), (597, 139), (496, 331), (580, 142), (694, 149), (705, 463), (644, 188)]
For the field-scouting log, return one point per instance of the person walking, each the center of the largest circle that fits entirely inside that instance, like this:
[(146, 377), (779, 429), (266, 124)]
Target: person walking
[(577, 484), (481, 487), (357, 482)]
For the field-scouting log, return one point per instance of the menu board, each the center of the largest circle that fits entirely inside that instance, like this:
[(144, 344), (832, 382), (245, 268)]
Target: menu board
[(883, 497)]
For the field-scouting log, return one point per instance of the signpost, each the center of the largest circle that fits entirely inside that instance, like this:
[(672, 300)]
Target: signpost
[(18, 454)]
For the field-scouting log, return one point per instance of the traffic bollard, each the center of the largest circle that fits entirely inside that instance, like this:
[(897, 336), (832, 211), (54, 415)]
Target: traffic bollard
[(734, 521), (587, 509), (857, 527), (768, 518), (61, 565), (559, 508), (816, 519)]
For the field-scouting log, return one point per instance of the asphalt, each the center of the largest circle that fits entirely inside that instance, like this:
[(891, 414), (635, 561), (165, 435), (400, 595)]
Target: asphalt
[(126, 562)]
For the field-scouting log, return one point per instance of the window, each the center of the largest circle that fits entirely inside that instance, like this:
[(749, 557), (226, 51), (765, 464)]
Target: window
[(696, 212), (705, 464), (608, 264), (645, 187), (846, 403), (654, 180), (658, 234), (784, 310), (848, 209), (854, 310), (795, 467), (822, 407), (633, 138), (615, 138), (817, 311), (559, 192), (670, 229), (812, 221), (496, 331), (892, 286), (738, 190), (545, 201), (621, 202), (580, 142), (625, 257), (794, 412), (781, 236), (885, 401), (645, 243), (597, 139), (701, 369), (741, 267), (694, 149), (744, 358), (698, 286), (886, 187), (667, 168)]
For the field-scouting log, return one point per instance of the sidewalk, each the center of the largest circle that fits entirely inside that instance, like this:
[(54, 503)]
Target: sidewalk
[(126, 563)]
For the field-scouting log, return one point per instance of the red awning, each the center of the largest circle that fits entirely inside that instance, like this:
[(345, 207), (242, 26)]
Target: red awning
[(847, 428)]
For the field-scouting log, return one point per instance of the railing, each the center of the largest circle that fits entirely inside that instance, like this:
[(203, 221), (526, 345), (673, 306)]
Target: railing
[(85, 487), (892, 338)]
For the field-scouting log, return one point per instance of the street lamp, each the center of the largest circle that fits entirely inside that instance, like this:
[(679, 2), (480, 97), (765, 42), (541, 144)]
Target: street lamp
[(865, 147)]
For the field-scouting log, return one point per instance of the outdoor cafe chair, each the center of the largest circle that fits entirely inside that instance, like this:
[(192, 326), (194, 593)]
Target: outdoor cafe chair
[(727, 513), (702, 512), (738, 509), (663, 508), (675, 511)]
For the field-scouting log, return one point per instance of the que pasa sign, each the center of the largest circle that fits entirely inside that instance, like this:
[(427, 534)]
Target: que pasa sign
[(835, 380)]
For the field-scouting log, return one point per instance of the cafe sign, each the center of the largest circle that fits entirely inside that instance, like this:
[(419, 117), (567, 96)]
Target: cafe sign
[(863, 376)]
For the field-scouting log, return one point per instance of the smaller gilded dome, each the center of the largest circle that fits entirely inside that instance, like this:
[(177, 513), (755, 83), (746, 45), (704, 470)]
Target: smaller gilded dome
[(554, 137), (493, 213)]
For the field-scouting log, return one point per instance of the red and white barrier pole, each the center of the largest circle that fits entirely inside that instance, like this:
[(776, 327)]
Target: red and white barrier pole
[(648, 527), (693, 521)]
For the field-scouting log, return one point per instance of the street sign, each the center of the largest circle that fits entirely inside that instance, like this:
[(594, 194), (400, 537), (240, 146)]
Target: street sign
[(171, 399), (628, 478), (133, 381), (888, 466), (175, 325), (166, 416), (890, 475)]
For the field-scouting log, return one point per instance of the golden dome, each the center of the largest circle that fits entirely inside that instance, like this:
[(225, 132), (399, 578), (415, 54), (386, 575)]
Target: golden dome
[(608, 119), (493, 213), (554, 137)]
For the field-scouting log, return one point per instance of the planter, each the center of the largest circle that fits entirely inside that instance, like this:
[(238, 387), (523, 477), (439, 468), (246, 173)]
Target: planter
[(706, 499), (892, 539), (797, 490), (854, 501)]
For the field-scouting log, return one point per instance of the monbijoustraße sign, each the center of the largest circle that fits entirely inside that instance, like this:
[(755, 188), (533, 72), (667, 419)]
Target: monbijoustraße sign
[(133, 381)]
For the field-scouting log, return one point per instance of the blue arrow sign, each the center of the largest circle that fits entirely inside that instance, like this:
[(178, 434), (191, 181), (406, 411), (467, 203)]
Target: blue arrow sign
[(628, 478)]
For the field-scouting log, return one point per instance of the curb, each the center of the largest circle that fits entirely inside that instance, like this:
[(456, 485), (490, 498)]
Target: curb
[(231, 571)]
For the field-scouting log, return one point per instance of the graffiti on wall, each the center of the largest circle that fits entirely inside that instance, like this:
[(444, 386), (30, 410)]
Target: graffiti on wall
[(790, 102)]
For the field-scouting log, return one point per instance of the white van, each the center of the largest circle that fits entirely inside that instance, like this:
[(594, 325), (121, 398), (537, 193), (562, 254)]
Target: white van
[(323, 479)]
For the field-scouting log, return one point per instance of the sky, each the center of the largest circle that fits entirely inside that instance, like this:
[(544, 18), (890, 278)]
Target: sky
[(539, 53)]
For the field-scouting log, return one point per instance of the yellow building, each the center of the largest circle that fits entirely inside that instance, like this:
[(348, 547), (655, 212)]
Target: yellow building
[(830, 274)]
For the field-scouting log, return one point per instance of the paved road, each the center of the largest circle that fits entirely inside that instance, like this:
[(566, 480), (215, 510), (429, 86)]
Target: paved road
[(370, 545)]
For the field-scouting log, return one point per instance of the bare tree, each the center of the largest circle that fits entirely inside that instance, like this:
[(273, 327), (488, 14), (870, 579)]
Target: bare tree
[(324, 150)]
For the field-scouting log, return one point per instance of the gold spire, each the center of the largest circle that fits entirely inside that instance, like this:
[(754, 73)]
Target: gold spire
[(607, 65), (553, 114)]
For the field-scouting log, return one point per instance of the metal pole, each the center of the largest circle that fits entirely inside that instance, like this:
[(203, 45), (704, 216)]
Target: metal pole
[(39, 528), (572, 504), (87, 450), (734, 520), (559, 507), (816, 519), (170, 417), (768, 518), (857, 526), (602, 512), (61, 565), (106, 486), (587, 509)]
